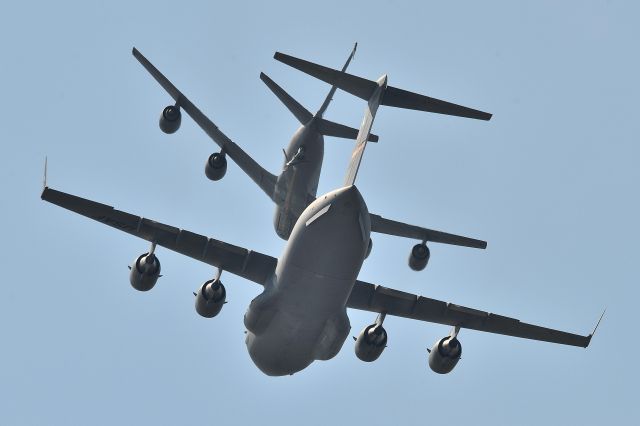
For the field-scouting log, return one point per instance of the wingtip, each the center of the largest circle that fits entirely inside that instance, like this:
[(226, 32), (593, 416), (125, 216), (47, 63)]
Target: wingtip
[(598, 323), (44, 178)]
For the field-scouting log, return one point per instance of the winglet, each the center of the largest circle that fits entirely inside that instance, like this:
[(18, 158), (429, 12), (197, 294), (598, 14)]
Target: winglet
[(596, 327), (44, 179)]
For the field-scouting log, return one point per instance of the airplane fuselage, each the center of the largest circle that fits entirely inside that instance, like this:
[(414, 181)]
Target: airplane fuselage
[(301, 315), (297, 185)]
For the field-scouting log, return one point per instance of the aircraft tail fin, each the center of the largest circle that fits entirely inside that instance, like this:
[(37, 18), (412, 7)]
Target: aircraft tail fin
[(365, 130), (323, 126), (393, 96), (329, 97)]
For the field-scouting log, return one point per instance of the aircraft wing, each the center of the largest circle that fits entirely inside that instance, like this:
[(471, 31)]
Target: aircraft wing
[(391, 227), (374, 298), (265, 180), (254, 266)]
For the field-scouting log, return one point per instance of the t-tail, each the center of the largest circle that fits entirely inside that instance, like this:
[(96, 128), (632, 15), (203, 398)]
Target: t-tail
[(392, 96), (323, 126)]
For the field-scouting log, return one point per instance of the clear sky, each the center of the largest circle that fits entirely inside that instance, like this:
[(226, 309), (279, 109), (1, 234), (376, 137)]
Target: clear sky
[(551, 182)]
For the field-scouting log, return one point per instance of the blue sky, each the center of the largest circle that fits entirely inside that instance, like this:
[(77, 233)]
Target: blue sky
[(550, 182)]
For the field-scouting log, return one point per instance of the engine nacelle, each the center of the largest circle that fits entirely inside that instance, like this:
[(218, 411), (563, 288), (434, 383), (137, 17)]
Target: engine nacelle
[(419, 257), (170, 119), (145, 272), (210, 298), (371, 342), (216, 166), (445, 354)]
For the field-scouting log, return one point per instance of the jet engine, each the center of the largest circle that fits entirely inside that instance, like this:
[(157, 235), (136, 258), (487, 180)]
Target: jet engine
[(216, 166), (170, 119), (210, 298), (145, 271), (371, 342), (445, 354), (419, 257)]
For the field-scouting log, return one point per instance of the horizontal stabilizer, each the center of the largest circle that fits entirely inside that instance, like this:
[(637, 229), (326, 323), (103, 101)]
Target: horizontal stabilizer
[(294, 106), (404, 99), (357, 86), (391, 227), (393, 96), (330, 128), (323, 126)]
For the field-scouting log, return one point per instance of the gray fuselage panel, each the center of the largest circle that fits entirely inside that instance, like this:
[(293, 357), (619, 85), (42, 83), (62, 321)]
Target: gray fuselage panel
[(297, 185)]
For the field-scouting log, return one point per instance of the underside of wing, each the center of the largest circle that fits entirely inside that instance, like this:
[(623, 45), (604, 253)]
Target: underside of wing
[(391, 227), (369, 297), (254, 266)]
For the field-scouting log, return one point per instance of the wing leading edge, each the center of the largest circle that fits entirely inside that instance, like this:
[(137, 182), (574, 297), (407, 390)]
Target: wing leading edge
[(374, 298), (251, 265)]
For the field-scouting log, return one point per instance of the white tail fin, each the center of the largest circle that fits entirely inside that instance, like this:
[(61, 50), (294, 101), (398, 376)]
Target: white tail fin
[(365, 130)]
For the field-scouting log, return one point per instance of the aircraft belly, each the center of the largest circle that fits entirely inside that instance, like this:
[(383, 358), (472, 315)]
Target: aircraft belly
[(293, 341), (301, 316)]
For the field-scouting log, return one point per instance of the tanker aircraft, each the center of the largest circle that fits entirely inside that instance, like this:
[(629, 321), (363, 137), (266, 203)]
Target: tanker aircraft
[(301, 314), (296, 186)]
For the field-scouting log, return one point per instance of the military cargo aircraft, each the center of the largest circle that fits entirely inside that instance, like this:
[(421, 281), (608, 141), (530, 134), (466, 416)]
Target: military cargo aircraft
[(301, 314), (296, 186)]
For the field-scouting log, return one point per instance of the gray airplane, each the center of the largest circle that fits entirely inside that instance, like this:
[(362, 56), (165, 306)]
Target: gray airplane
[(301, 314), (296, 187)]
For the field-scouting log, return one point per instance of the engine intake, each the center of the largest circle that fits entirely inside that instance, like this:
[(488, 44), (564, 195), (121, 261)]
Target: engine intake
[(445, 355), (210, 298), (216, 166), (371, 342), (419, 257), (170, 119), (145, 272)]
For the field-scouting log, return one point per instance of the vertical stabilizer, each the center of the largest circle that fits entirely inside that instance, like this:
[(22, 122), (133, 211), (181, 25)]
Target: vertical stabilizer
[(365, 130), (329, 97)]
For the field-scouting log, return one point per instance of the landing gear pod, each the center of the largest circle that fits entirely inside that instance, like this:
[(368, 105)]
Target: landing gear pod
[(369, 247), (419, 257), (170, 119)]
